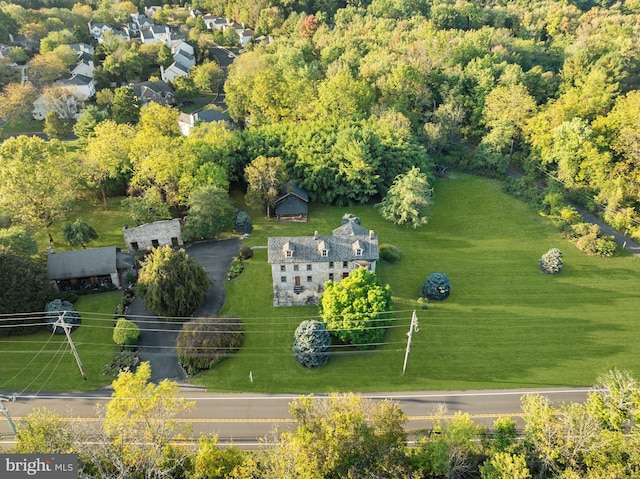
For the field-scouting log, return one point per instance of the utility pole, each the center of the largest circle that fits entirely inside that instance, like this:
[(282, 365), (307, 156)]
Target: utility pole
[(67, 330), (412, 328), (5, 411)]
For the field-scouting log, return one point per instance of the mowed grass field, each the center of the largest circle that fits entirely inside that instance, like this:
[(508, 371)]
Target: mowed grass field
[(505, 324), (44, 361)]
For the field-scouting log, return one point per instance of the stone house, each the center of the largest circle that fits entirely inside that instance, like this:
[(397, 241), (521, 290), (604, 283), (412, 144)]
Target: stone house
[(300, 265), (153, 235)]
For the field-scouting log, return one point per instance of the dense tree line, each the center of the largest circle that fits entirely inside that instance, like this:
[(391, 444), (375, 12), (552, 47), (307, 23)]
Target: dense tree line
[(346, 436)]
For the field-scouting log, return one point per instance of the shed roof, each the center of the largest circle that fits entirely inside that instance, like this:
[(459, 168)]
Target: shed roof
[(82, 263)]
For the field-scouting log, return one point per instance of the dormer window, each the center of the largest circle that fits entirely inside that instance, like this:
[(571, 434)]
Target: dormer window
[(358, 251), (288, 249), (323, 248), (357, 248)]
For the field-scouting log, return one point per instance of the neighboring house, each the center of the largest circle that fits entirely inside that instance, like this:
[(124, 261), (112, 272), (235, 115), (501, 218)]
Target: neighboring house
[(81, 48), (140, 22), (293, 205), (155, 34), (214, 22), (84, 66), (88, 268), (174, 71), (96, 30), (4, 50), (82, 86), (67, 105), (187, 121), (245, 36), (184, 58), (300, 265), (181, 45), (153, 235), (152, 10), (157, 91)]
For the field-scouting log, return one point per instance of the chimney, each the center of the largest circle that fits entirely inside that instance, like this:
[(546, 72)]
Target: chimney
[(370, 234), (315, 235)]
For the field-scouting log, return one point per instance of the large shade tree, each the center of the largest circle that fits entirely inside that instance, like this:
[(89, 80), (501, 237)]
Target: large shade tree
[(37, 180), (357, 310), (265, 177), (171, 283)]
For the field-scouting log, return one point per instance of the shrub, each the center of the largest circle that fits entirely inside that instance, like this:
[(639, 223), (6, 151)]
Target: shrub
[(437, 287), (390, 254), (126, 333), (123, 361), (589, 239), (203, 343), (243, 223), (70, 296), (53, 311), (237, 267), (245, 253), (551, 261), (311, 344)]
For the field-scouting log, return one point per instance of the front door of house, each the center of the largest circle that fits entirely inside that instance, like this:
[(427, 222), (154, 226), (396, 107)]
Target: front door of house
[(297, 280)]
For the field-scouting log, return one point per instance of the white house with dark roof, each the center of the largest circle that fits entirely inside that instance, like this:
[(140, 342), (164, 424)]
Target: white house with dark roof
[(300, 265), (173, 71), (187, 121)]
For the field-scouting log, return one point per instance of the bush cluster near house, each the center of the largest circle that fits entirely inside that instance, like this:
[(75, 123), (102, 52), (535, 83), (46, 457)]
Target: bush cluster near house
[(390, 253), (204, 342), (311, 344), (437, 287), (126, 333), (63, 310)]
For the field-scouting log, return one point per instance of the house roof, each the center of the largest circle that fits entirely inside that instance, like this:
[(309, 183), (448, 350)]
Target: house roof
[(179, 68), (207, 116), (156, 86), (292, 189), (350, 229), (308, 249), (79, 80), (82, 263), (291, 205)]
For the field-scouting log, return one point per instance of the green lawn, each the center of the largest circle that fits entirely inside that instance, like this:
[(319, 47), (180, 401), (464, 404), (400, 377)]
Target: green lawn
[(505, 325), (108, 223), (44, 362)]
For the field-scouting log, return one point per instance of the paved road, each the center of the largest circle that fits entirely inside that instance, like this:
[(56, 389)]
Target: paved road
[(243, 419)]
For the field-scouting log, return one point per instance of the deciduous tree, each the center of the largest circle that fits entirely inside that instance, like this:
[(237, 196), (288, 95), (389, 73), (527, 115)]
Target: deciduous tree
[(37, 180), (78, 233), (357, 309), (210, 213), (265, 178)]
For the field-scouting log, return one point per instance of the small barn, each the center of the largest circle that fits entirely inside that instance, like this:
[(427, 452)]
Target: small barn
[(153, 235), (293, 204), (90, 268)]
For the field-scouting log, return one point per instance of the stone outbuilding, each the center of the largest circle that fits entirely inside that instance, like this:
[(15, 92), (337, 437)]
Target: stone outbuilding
[(153, 235)]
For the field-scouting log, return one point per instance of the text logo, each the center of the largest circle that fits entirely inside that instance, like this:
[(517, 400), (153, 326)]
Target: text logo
[(38, 466)]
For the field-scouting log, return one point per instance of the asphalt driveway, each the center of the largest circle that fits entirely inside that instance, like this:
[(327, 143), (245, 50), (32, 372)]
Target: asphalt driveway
[(157, 337)]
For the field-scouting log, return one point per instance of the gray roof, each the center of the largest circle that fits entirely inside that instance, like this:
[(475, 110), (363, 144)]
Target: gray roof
[(350, 229), (82, 263), (79, 80), (208, 116), (157, 86), (308, 249)]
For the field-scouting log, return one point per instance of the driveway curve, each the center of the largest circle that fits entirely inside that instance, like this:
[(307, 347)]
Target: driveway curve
[(158, 337)]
